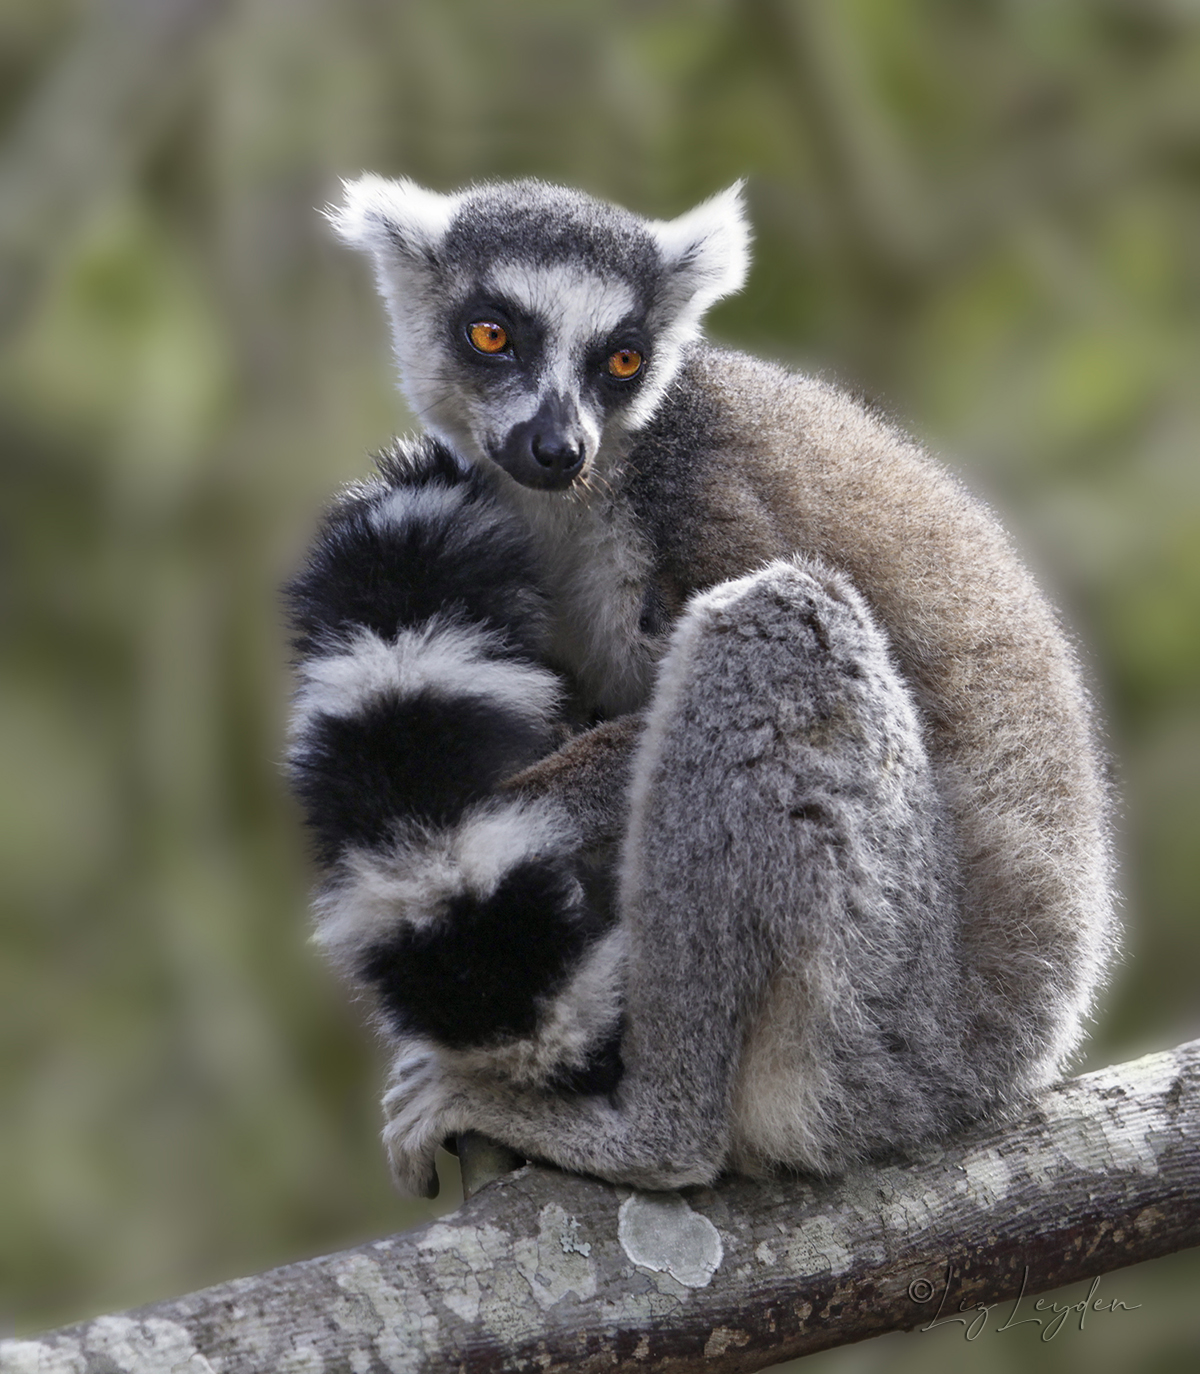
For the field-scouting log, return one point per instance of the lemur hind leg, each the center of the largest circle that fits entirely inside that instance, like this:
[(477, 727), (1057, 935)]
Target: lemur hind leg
[(786, 941)]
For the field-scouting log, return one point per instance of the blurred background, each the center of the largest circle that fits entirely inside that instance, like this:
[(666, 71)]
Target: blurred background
[(983, 214)]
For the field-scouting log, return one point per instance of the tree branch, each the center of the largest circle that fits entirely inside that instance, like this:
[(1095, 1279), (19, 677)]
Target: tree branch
[(546, 1271)]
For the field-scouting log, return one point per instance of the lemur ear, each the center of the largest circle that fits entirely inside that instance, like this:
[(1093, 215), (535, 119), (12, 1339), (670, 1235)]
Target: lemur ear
[(706, 252), (398, 222)]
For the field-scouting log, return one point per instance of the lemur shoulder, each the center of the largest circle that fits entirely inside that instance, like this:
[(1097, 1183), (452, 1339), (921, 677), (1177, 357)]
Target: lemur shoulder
[(700, 781)]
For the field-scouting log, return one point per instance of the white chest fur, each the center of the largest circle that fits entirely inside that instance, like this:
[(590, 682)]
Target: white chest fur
[(597, 567)]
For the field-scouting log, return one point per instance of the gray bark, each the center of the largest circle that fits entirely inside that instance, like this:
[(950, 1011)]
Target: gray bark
[(544, 1271)]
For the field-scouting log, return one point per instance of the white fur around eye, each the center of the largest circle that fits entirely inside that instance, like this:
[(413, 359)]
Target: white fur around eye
[(577, 306)]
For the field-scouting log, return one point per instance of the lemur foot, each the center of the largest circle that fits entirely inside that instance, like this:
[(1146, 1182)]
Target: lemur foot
[(414, 1109)]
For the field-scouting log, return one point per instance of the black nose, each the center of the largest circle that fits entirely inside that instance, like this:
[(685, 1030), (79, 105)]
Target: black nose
[(556, 452), (547, 450)]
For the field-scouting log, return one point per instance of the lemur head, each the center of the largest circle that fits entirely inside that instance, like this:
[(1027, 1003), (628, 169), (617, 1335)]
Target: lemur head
[(535, 326)]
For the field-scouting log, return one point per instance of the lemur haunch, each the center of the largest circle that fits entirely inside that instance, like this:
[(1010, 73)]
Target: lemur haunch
[(699, 780)]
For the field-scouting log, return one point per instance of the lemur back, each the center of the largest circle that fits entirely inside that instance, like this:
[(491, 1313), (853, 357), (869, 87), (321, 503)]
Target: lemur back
[(781, 464), (824, 858)]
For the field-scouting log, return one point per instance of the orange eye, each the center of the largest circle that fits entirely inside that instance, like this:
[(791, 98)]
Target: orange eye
[(488, 337), (624, 363)]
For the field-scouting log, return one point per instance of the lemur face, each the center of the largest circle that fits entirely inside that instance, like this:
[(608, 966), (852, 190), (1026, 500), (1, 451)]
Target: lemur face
[(541, 366), (535, 327)]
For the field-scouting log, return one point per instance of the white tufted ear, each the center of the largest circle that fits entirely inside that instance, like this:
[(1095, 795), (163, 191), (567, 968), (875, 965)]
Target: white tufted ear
[(392, 220), (706, 252), (402, 228)]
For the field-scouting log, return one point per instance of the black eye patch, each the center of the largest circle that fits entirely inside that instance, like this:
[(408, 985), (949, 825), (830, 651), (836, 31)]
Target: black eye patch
[(629, 343), (525, 336)]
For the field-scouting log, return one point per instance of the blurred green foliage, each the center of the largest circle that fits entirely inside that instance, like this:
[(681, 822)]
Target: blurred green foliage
[(985, 214)]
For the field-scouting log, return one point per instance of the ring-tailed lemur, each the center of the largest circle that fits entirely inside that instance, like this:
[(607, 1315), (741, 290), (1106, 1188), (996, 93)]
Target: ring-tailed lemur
[(699, 780)]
